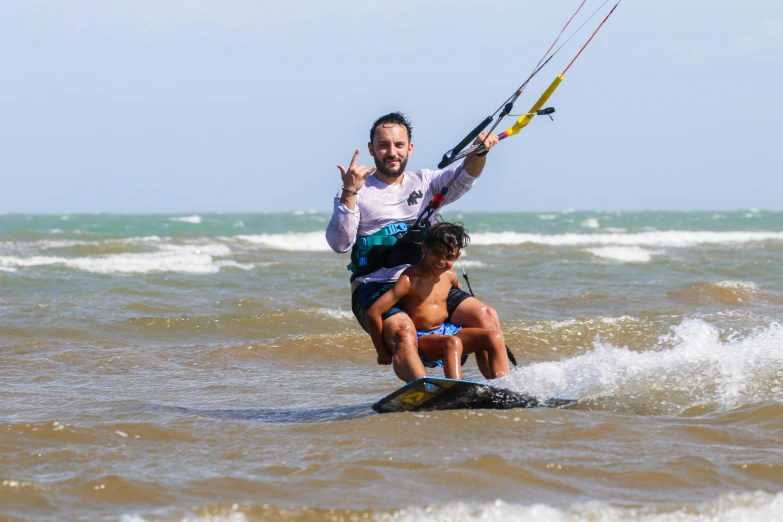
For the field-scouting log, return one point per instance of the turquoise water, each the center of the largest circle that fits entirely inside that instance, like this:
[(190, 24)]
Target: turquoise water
[(21, 226)]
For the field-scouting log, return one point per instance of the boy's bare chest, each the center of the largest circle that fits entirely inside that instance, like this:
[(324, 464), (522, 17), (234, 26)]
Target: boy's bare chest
[(426, 292)]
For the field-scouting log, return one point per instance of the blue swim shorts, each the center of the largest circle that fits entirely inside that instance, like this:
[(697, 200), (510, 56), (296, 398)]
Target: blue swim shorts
[(444, 329)]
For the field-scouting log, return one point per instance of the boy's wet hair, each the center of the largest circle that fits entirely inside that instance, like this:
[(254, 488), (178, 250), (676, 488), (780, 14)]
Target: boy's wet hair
[(393, 118), (449, 235)]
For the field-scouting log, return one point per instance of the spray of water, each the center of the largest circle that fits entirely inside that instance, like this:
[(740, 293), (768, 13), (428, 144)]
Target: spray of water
[(692, 366)]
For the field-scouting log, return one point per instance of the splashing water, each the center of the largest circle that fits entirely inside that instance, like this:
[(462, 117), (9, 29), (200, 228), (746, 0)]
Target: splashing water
[(693, 366)]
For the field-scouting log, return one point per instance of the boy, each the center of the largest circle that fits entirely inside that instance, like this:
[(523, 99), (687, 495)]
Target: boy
[(421, 292)]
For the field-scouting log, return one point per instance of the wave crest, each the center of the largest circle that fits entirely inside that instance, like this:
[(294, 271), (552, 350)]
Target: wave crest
[(693, 366)]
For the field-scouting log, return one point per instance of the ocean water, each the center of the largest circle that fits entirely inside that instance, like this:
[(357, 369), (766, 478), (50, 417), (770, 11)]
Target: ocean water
[(208, 367)]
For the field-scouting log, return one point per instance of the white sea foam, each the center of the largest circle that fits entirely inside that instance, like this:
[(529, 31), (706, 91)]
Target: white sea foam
[(316, 241), (234, 264), (234, 516), (671, 238), (746, 286), (623, 254), (730, 507), (546, 217), (590, 223), (469, 263), (184, 259), (42, 244), (294, 242), (336, 314), (568, 324), (692, 366), (50, 244), (553, 325), (194, 219), (618, 320)]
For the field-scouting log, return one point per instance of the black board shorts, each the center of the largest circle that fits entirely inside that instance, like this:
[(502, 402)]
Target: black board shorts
[(367, 293)]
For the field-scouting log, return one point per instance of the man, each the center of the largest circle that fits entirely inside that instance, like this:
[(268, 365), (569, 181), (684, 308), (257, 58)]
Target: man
[(371, 206)]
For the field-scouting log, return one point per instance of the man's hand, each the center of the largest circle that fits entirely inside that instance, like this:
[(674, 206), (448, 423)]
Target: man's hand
[(384, 358), (489, 139), (355, 175)]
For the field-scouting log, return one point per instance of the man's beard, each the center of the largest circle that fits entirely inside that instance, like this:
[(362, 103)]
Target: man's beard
[(383, 169)]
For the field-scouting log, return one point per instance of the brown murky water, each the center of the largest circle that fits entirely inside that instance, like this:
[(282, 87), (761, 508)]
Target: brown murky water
[(204, 376)]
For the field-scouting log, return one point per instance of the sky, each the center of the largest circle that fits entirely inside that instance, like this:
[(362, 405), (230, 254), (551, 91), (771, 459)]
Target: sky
[(169, 106)]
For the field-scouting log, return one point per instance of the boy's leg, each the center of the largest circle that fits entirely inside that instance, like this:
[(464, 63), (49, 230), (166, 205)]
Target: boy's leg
[(472, 313), (446, 347), (475, 340)]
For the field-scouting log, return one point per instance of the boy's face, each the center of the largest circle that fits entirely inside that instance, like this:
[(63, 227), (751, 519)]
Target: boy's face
[(440, 258)]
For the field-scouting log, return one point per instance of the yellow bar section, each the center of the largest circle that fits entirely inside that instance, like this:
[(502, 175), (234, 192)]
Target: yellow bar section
[(525, 118)]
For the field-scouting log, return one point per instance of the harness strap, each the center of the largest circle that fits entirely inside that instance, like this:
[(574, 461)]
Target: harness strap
[(393, 245)]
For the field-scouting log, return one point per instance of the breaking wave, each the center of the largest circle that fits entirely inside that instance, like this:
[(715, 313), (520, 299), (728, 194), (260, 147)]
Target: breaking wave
[(695, 365)]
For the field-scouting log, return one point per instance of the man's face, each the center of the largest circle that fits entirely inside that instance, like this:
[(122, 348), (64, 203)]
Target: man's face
[(440, 258), (391, 149)]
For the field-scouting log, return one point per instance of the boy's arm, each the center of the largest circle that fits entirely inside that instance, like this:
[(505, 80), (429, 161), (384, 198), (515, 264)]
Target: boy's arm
[(374, 316)]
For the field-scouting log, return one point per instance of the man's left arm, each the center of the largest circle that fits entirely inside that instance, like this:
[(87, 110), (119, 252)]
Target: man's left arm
[(469, 169), (474, 164)]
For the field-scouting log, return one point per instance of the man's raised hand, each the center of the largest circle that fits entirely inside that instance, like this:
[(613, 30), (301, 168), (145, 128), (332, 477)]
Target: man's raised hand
[(355, 175), (488, 139)]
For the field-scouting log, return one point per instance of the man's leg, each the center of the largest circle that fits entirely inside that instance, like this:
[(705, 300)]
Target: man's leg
[(400, 336), (472, 313)]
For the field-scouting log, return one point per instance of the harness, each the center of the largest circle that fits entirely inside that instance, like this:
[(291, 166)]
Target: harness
[(394, 245)]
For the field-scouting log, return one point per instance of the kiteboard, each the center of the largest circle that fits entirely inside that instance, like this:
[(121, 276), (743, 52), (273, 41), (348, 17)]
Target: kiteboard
[(439, 393)]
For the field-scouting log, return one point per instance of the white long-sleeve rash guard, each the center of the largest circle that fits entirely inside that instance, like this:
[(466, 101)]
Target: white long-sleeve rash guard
[(379, 204)]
